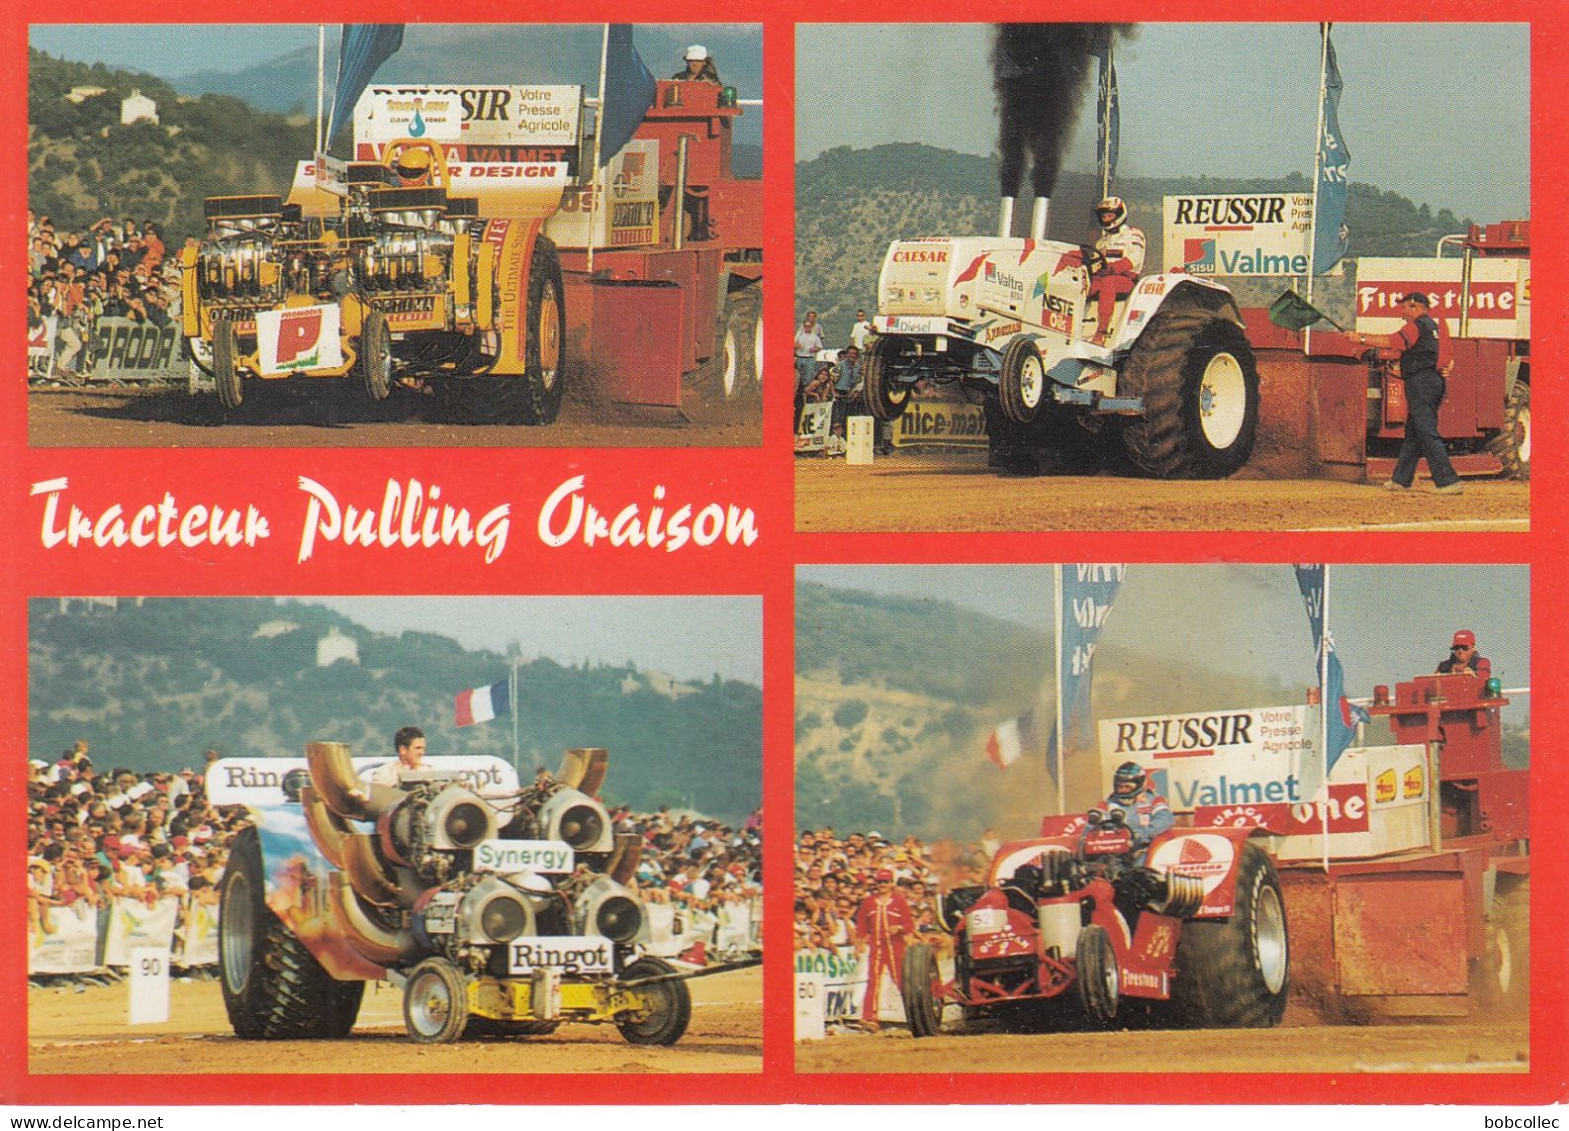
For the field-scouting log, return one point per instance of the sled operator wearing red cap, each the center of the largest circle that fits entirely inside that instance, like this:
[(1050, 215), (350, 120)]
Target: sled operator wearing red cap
[(1463, 657)]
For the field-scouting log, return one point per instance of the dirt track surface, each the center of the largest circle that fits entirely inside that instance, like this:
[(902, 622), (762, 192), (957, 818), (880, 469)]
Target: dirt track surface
[(1406, 1048), (955, 491), (86, 1033), (337, 414)]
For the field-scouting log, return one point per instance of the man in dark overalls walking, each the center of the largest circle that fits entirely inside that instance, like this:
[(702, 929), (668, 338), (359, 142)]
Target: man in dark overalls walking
[(1422, 348)]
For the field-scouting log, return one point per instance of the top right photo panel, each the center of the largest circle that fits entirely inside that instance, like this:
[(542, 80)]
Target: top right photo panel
[(1163, 276)]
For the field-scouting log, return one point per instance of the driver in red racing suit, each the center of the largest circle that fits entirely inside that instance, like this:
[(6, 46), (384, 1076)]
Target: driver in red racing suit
[(882, 922), (1134, 803), (1121, 247)]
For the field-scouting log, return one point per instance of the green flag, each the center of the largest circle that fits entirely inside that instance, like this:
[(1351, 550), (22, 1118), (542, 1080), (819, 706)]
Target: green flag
[(1293, 312)]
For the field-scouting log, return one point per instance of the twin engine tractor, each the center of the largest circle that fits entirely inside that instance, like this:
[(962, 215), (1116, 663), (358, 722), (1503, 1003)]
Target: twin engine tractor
[(387, 272), (498, 910), (1081, 924), (1174, 387)]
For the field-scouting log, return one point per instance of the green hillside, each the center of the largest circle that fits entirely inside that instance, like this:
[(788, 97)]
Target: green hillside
[(851, 203), (153, 685)]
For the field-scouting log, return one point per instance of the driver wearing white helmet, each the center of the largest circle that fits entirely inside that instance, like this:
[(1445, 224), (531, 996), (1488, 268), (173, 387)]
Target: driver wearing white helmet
[(1115, 267)]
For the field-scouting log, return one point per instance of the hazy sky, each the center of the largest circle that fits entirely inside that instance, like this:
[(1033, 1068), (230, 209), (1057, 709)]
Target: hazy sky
[(1439, 113), (1389, 622), (171, 51), (687, 637)]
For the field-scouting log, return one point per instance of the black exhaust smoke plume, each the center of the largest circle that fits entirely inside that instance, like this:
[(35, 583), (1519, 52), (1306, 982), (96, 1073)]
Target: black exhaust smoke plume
[(1040, 73)]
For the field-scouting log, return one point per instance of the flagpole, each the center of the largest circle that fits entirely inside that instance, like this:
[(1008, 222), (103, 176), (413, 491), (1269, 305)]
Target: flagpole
[(321, 78), (1105, 129), (512, 698), (1323, 712), (1318, 172), (599, 133), (1057, 648)]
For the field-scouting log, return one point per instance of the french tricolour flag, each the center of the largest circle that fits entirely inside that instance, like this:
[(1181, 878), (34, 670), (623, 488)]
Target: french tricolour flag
[(1012, 738), (482, 704)]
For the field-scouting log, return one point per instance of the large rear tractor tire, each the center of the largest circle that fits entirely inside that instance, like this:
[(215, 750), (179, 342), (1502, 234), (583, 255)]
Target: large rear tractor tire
[(273, 989), (919, 989), (435, 1003), (375, 360), (885, 396), (1197, 375), (1512, 444), (1234, 973), (1021, 386), (225, 364), (1099, 983), (668, 1006)]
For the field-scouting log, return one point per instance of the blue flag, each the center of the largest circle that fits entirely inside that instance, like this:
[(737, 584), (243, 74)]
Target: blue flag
[(1341, 714), (629, 92), (1087, 594), (364, 47), (1108, 114), (1331, 237)]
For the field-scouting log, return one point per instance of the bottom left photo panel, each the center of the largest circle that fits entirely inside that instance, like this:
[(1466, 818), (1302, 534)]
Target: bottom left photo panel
[(394, 834)]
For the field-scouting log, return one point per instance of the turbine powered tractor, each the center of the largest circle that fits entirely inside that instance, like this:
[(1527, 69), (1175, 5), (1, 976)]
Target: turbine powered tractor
[(498, 910)]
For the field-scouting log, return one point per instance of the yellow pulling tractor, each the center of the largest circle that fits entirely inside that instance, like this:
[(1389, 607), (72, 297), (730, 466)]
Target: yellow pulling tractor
[(384, 272)]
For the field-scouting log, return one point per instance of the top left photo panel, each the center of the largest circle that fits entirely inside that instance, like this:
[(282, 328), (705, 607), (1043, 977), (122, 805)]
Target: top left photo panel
[(379, 235)]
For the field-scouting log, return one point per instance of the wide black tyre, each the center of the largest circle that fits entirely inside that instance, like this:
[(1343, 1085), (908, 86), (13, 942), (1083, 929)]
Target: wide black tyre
[(435, 1003), (1512, 444), (1234, 973), (669, 1006), (1021, 387), (1501, 978), (273, 989), (1098, 981), (225, 364), (375, 360), (919, 990), (885, 396), (1197, 375), (741, 343), (536, 396)]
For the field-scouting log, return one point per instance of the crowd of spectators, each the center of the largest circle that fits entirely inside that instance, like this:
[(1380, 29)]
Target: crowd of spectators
[(97, 835), (116, 268), (694, 862), (836, 375), (834, 874)]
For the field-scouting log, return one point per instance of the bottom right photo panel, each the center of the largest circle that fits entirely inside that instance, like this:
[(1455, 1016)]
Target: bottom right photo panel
[(1102, 817)]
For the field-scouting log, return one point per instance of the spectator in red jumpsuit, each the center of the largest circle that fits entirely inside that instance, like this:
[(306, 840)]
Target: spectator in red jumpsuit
[(882, 922)]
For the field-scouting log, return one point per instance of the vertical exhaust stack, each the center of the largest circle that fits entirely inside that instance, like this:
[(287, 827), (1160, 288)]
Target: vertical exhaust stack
[(1005, 218), (1038, 218)]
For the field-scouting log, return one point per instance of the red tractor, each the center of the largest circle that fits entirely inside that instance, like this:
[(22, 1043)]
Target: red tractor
[(1082, 924)]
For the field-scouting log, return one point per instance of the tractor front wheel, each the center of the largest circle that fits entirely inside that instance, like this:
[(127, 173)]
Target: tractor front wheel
[(1099, 983), (667, 1005), (226, 364), (435, 1003), (375, 360), (885, 396), (1022, 384)]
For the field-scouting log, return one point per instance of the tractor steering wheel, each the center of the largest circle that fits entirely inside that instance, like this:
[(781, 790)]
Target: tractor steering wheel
[(1094, 261)]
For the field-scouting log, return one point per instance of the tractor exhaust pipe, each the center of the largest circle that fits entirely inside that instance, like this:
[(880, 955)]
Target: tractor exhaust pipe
[(1005, 218), (1038, 218)]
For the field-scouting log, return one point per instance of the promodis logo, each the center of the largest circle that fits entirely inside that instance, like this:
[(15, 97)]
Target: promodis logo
[(571, 954), (299, 338), (553, 857)]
